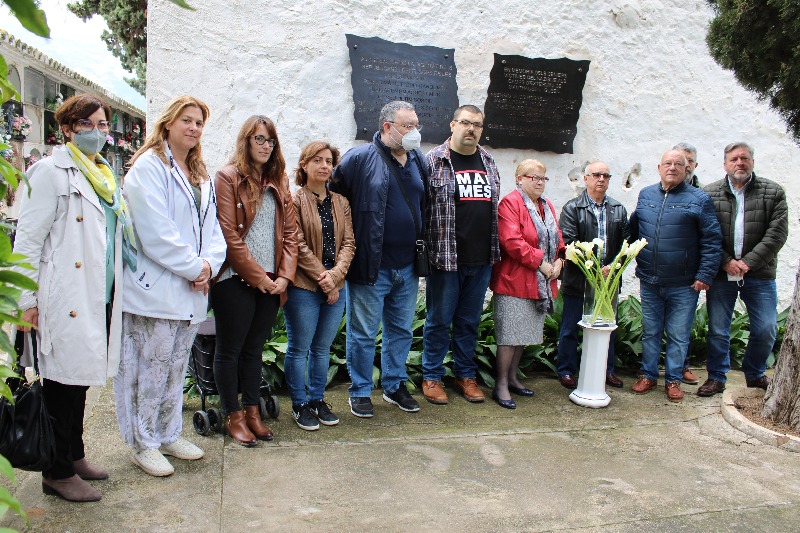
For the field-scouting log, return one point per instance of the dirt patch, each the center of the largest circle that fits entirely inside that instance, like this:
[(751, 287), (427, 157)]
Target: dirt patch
[(751, 409)]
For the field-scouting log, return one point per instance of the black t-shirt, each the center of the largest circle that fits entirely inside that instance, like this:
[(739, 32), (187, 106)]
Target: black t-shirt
[(473, 199)]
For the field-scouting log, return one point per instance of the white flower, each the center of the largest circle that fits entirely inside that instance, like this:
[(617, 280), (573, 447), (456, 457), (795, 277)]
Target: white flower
[(588, 264), (598, 242), (572, 253), (624, 250), (587, 247), (618, 266)]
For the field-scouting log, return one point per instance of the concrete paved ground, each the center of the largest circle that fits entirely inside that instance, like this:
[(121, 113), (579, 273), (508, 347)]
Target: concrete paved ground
[(641, 464)]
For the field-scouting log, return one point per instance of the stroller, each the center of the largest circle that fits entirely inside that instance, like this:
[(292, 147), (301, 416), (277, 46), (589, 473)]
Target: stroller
[(201, 368)]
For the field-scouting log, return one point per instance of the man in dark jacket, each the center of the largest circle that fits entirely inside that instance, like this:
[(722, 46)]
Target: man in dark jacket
[(384, 183), (591, 215), (754, 219), (680, 260)]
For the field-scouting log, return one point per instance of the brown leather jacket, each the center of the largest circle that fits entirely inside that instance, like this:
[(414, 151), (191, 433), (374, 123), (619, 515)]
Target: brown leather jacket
[(236, 215), (309, 238)]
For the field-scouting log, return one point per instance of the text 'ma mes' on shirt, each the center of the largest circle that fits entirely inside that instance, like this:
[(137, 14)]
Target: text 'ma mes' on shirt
[(473, 199), (399, 233)]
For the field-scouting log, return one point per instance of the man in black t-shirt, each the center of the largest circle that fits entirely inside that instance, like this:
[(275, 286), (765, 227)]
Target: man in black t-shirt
[(461, 234)]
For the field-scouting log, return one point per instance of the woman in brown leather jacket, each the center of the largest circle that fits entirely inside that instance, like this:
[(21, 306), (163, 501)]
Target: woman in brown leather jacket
[(257, 218), (316, 300)]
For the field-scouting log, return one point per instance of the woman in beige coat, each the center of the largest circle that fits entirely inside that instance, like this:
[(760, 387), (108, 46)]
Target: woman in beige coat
[(75, 230)]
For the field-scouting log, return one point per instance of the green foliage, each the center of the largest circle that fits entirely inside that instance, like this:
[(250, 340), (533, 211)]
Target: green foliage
[(30, 16), (126, 36), (759, 40)]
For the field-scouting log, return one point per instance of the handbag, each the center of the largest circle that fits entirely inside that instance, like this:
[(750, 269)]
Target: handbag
[(26, 429), (422, 265)]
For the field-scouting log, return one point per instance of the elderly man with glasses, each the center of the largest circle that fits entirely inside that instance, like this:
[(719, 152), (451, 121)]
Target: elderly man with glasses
[(681, 259), (593, 214), (461, 232)]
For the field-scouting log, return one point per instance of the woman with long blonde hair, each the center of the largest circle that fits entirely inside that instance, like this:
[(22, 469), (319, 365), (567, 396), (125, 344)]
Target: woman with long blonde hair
[(258, 220), (180, 248)]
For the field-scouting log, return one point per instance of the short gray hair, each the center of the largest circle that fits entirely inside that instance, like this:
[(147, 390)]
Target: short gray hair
[(389, 110), (686, 147), (739, 144), (586, 167)]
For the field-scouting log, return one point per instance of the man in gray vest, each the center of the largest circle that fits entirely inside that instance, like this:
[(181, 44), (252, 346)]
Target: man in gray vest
[(753, 215)]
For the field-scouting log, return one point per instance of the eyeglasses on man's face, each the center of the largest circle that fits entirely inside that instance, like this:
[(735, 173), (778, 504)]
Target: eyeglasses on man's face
[(260, 140), (598, 175), (407, 126), (85, 124), (468, 123)]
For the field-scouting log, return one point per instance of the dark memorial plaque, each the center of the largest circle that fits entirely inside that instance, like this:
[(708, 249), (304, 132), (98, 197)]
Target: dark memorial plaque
[(534, 103), (384, 71)]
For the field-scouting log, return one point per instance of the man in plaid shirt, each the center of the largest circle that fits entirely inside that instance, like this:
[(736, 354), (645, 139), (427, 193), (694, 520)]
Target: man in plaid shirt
[(461, 234)]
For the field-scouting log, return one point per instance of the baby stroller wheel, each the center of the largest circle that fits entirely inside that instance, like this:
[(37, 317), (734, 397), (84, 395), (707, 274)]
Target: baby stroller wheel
[(201, 423), (273, 406), (215, 418), (262, 408)]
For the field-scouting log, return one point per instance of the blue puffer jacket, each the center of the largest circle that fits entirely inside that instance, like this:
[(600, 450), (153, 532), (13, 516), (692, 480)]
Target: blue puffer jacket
[(684, 241)]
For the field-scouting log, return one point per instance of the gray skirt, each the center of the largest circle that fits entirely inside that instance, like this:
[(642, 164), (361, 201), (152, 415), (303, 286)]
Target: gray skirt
[(517, 322)]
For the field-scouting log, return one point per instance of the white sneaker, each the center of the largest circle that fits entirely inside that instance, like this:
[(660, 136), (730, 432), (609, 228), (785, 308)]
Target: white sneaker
[(152, 462), (182, 449)]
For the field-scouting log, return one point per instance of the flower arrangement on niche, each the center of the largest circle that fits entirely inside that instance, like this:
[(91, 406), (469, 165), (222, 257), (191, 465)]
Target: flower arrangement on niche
[(54, 135), (604, 281), (20, 127)]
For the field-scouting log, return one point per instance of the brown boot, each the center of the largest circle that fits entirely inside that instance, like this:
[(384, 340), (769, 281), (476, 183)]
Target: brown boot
[(253, 417), (236, 427), (72, 489), (433, 391), (87, 470), (468, 387)]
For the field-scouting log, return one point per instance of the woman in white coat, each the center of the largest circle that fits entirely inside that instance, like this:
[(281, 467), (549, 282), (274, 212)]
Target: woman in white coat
[(180, 248), (75, 230)]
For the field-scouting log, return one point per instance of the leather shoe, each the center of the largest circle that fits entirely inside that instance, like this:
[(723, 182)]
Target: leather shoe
[(520, 391), (643, 385), (72, 489), (613, 380), (468, 387), (568, 381), (710, 388), (674, 392), (236, 427), (760, 383), (689, 378), (252, 417), (434, 392), (87, 470), (508, 404)]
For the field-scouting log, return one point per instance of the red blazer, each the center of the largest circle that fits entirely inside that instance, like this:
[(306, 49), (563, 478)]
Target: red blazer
[(520, 256)]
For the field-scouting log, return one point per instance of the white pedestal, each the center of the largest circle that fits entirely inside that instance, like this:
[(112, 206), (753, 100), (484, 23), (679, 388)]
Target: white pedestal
[(591, 391)]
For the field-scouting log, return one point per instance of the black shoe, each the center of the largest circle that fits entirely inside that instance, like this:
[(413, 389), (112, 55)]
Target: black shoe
[(508, 404), (520, 391), (304, 418), (361, 406), (402, 399), (322, 411), (710, 388), (760, 383)]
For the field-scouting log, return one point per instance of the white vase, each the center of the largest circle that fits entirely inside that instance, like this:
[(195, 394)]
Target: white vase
[(591, 391)]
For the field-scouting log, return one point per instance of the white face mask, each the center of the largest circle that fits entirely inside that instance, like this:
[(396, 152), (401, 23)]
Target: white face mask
[(411, 140)]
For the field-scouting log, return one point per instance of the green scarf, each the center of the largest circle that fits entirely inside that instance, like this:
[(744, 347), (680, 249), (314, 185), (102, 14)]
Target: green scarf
[(99, 175)]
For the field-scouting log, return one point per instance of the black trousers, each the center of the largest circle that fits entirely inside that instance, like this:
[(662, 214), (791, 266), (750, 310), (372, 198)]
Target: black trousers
[(244, 317), (66, 405)]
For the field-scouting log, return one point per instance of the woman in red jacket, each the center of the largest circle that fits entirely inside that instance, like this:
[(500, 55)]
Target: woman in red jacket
[(524, 280)]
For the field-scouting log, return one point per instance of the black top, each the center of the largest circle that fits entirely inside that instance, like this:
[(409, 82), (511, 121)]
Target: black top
[(473, 198)]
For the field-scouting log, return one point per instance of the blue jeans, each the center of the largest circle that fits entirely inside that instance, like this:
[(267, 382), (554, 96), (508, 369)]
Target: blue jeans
[(311, 326), (670, 310), (760, 297), (392, 300), (571, 314), (453, 298)]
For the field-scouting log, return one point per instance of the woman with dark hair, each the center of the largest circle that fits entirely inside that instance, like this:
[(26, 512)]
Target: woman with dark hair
[(258, 221), (315, 307), (75, 229), (165, 300)]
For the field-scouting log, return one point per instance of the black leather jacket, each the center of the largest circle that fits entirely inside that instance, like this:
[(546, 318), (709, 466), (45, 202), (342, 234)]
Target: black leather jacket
[(578, 223)]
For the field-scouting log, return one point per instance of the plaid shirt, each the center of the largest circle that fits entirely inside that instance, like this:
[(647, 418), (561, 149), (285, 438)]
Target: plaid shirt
[(440, 211), (599, 211)]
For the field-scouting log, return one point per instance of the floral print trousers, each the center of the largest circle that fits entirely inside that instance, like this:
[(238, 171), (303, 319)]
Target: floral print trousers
[(148, 387)]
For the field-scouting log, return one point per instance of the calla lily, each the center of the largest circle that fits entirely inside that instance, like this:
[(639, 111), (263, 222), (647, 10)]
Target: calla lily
[(589, 264), (598, 242)]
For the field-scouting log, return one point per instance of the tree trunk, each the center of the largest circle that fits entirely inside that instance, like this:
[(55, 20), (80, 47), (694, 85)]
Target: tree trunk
[(782, 400)]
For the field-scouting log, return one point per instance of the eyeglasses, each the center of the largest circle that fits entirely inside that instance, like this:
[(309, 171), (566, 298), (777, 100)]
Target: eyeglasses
[(598, 175), (407, 126), (678, 164), (87, 125), (537, 179), (260, 140), (467, 123)]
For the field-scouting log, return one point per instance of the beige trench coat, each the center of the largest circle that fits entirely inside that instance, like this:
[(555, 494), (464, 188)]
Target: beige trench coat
[(62, 231)]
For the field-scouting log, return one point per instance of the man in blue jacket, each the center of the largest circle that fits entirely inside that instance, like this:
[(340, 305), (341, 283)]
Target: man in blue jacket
[(384, 183), (684, 243)]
